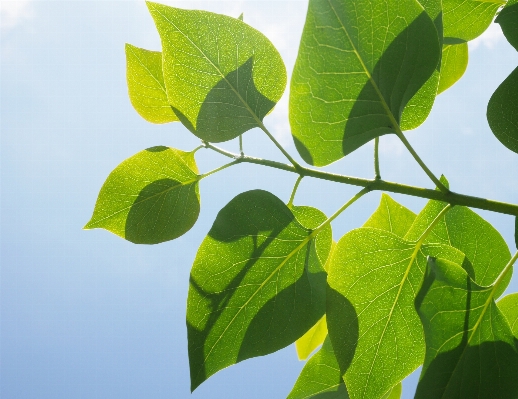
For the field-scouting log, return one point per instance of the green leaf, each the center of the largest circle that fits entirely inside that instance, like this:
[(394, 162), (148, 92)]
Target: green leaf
[(470, 349), (257, 283), (146, 86), (391, 216), (149, 198), (395, 393), (501, 112), (222, 76), (320, 378), (372, 322), (508, 305), (454, 64), (461, 228), (515, 231), (468, 19), (508, 20), (310, 341), (347, 86)]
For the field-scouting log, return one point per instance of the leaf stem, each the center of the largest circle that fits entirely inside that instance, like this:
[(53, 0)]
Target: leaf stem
[(450, 197), (277, 144), (227, 165), (292, 197), (377, 174), (432, 225), (436, 181), (355, 198), (507, 268), (241, 142)]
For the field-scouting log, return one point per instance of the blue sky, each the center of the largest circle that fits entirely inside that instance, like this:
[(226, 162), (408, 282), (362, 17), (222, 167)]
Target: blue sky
[(85, 314)]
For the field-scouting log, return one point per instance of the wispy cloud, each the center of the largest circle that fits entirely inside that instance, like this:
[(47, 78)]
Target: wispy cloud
[(13, 13), (489, 39)]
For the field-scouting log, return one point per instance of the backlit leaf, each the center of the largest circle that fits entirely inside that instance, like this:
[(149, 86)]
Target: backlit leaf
[(320, 378), (391, 216), (310, 341), (146, 87), (470, 349), (257, 283), (222, 76), (359, 63), (395, 393), (508, 305), (508, 20), (373, 325), (454, 64), (468, 19), (149, 198), (501, 112)]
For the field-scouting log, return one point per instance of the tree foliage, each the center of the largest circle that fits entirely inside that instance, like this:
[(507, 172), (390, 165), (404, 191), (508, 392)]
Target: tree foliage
[(403, 290)]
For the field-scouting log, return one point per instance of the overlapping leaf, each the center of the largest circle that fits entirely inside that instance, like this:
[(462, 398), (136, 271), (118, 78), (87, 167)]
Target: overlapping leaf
[(149, 198), (454, 63), (391, 216), (468, 19), (146, 87), (508, 20), (470, 349), (311, 340), (373, 325), (359, 63), (222, 76), (508, 305), (257, 283)]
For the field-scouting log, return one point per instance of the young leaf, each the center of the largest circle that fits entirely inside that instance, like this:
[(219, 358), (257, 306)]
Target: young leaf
[(501, 112), (320, 378), (348, 87), (310, 341), (146, 86), (373, 325), (461, 228), (257, 283), (391, 216), (470, 349), (454, 64), (508, 20), (467, 19), (508, 305), (222, 76), (149, 198)]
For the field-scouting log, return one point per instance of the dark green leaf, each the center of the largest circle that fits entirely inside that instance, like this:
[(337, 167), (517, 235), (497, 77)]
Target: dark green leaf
[(516, 231), (501, 112), (222, 76), (348, 86), (508, 20), (470, 349), (467, 19), (508, 305), (320, 378), (391, 216), (454, 64), (373, 325), (149, 198), (257, 283), (146, 87)]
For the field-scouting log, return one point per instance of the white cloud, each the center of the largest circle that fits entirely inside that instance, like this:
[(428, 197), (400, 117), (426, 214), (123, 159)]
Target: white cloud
[(12, 13), (489, 39)]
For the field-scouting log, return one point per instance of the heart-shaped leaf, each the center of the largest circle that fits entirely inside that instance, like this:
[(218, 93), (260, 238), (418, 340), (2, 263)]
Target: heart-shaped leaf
[(222, 76), (453, 64), (257, 283), (149, 198), (391, 216)]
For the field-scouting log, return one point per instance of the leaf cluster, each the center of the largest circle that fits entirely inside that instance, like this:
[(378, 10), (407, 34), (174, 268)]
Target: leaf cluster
[(402, 291)]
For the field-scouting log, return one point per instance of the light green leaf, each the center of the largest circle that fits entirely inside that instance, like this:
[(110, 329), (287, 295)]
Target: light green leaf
[(508, 20), (395, 393), (508, 305), (146, 86), (454, 64), (222, 76), (470, 349), (310, 341), (501, 112), (468, 19), (372, 322), (391, 216), (320, 378), (257, 283), (419, 106), (349, 86), (149, 198)]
